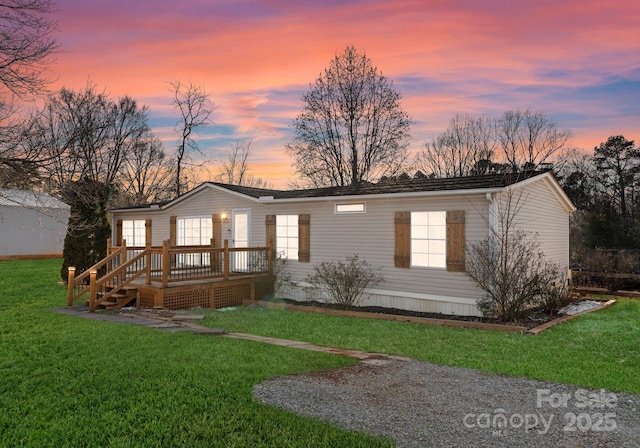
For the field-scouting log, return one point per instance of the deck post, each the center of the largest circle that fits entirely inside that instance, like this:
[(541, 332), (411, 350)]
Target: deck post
[(269, 261), (71, 276), (226, 259), (109, 251), (212, 256), (166, 263), (92, 289), (123, 256), (147, 272)]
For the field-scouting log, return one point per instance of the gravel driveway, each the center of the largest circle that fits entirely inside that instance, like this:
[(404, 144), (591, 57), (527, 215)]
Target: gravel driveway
[(419, 404)]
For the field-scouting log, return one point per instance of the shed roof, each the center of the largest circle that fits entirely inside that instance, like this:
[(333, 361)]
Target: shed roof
[(32, 199)]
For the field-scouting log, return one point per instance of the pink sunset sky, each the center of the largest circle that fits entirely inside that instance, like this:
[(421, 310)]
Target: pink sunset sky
[(578, 61)]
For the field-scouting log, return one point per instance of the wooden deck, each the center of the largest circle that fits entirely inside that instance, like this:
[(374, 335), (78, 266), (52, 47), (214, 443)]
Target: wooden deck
[(212, 293), (174, 277)]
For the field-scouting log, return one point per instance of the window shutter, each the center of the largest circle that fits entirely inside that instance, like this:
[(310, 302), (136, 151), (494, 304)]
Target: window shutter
[(270, 222), (147, 233), (455, 241), (119, 232), (216, 231), (402, 256), (304, 238), (172, 231)]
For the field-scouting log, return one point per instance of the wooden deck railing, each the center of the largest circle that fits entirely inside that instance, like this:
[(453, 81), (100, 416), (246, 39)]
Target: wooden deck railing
[(164, 265)]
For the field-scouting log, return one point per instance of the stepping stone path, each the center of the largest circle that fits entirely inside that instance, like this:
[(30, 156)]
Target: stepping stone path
[(173, 322)]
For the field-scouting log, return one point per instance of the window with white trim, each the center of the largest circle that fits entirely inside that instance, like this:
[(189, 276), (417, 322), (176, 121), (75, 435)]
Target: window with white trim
[(429, 239), (287, 236), (195, 231), (134, 232)]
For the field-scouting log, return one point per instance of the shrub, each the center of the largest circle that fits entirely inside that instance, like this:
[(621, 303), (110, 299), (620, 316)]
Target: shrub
[(281, 276), (344, 283), (514, 274)]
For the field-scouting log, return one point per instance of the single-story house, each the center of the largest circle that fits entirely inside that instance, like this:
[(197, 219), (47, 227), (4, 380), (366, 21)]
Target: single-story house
[(32, 224), (415, 230)]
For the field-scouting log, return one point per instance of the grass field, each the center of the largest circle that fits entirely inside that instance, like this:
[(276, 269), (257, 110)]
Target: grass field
[(72, 382), (599, 350)]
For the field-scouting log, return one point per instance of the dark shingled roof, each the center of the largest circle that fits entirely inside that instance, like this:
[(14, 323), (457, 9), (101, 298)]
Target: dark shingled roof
[(486, 181), (396, 186)]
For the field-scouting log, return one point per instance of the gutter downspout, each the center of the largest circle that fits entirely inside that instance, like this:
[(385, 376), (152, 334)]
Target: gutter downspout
[(493, 214)]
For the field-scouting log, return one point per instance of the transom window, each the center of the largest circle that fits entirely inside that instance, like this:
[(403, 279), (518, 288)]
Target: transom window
[(429, 239), (134, 232), (287, 236)]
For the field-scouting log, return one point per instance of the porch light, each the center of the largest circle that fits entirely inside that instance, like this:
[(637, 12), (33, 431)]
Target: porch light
[(224, 217)]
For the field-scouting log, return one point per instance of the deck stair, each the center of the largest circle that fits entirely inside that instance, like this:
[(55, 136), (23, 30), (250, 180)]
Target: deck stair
[(108, 283), (125, 296)]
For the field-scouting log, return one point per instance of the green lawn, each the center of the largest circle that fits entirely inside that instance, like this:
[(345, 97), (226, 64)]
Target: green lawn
[(72, 382), (599, 350)]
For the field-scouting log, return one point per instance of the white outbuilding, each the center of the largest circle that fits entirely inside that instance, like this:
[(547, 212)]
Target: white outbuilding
[(32, 224)]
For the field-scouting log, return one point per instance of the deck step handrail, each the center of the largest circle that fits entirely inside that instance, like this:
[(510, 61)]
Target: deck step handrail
[(99, 265), (119, 273)]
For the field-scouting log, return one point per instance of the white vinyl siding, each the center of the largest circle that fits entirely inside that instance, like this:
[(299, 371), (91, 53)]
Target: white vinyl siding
[(287, 236), (134, 232), (540, 213), (371, 235), (429, 239)]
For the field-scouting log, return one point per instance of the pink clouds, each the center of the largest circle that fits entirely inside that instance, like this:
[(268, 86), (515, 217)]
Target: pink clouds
[(464, 56)]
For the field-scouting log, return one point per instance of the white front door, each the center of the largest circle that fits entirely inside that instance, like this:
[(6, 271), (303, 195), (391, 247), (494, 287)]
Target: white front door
[(241, 221)]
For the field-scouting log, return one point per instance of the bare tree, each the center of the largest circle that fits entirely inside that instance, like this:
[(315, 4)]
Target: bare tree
[(517, 140), (19, 162), (352, 128), (461, 149), (195, 108), (147, 174), (510, 267), (87, 134), (234, 168), (529, 138), (26, 45)]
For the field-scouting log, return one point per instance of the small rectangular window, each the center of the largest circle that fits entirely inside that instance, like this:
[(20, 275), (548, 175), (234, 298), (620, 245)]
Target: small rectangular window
[(351, 208), (429, 239)]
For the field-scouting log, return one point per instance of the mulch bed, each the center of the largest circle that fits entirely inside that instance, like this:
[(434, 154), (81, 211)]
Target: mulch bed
[(534, 319), (535, 323)]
